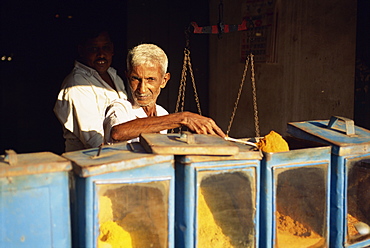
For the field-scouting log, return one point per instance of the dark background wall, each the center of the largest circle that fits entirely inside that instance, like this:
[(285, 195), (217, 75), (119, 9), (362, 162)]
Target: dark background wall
[(311, 73), (40, 39), (40, 36), (362, 75)]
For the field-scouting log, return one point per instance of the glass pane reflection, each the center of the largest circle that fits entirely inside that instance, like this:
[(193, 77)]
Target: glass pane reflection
[(133, 215), (226, 209), (301, 201), (358, 201)]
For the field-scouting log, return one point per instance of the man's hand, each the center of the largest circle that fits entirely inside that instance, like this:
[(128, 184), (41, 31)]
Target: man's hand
[(201, 124), (196, 123)]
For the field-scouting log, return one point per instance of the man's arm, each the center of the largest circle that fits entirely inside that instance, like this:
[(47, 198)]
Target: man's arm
[(197, 123), (77, 110)]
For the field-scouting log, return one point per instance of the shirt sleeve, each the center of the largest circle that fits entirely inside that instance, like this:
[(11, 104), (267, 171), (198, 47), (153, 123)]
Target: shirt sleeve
[(160, 112), (79, 112), (120, 87), (119, 111)]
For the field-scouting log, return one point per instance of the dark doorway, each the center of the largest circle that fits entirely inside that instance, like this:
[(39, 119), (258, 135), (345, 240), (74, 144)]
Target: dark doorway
[(362, 76)]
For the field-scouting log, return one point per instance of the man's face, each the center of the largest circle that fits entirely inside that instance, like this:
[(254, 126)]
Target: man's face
[(97, 53), (146, 83)]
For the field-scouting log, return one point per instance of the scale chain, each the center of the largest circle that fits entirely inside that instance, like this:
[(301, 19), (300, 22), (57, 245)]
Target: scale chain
[(256, 121), (181, 94), (182, 88), (193, 81), (238, 96)]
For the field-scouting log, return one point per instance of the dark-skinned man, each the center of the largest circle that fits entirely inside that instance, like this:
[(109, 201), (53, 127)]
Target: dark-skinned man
[(87, 91), (147, 75)]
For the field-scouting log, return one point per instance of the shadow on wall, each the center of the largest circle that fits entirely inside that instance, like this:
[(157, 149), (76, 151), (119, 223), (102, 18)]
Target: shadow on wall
[(40, 39), (362, 72), (362, 94)]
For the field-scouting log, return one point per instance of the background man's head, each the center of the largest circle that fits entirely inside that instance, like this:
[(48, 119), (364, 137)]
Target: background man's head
[(96, 50)]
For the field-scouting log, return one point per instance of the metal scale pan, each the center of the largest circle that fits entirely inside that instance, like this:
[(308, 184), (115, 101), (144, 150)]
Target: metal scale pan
[(187, 143)]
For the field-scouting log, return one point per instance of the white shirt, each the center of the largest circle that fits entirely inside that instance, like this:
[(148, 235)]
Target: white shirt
[(81, 105), (121, 111)]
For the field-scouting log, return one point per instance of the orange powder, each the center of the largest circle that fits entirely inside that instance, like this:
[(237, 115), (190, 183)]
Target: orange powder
[(273, 142), (352, 231), (291, 233)]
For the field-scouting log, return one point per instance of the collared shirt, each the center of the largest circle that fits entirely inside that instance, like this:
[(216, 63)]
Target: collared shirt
[(81, 105), (121, 111)]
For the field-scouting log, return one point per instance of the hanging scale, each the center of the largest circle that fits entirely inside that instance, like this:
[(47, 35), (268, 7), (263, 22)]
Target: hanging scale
[(182, 87), (250, 58)]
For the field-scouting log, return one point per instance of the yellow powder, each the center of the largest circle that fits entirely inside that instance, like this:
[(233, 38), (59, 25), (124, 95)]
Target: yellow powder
[(209, 233), (102, 244), (111, 234), (273, 142), (105, 209), (143, 227)]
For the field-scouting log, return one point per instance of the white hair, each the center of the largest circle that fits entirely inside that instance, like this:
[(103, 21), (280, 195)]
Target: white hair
[(148, 54)]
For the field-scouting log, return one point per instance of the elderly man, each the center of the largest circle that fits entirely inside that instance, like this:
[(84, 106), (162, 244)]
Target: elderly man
[(87, 91), (147, 75)]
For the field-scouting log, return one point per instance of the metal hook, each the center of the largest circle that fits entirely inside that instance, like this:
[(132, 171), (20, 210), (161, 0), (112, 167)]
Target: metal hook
[(11, 157), (99, 151), (221, 24), (187, 35)]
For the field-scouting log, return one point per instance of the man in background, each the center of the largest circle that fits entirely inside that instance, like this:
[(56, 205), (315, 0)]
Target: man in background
[(87, 91)]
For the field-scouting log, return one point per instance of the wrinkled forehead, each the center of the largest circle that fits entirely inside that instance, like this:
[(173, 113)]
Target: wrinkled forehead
[(147, 69), (147, 64)]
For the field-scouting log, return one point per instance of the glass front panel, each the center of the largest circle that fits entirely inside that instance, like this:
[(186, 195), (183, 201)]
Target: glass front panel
[(301, 204), (133, 215), (226, 209), (358, 201)]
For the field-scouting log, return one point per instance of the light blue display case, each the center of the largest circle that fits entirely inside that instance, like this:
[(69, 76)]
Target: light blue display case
[(217, 199), (124, 197), (295, 196), (350, 184), (34, 200)]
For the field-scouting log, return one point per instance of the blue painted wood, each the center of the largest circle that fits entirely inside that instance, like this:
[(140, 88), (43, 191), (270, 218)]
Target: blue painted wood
[(34, 208), (190, 172), (120, 166), (342, 144), (346, 150), (307, 159)]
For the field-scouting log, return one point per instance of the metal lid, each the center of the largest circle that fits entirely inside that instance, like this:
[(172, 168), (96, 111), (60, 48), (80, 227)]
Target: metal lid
[(340, 132), (117, 157), (13, 164)]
